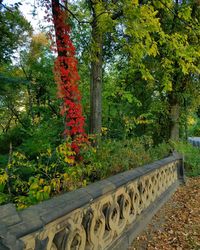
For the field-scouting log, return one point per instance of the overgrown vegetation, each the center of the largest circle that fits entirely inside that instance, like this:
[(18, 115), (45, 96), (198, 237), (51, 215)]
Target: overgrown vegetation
[(27, 180), (139, 70), (191, 156)]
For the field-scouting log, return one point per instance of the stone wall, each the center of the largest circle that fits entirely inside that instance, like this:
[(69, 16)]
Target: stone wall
[(105, 215)]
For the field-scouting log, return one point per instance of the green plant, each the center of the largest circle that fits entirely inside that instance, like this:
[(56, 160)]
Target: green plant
[(160, 151), (194, 129), (191, 156), (26, 182)]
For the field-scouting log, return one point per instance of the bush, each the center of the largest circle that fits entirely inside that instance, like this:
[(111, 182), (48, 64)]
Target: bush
[(44, 136), (16, 135), (160, 151), (113, 156), (26, 181), (194, 130), (191, 156)]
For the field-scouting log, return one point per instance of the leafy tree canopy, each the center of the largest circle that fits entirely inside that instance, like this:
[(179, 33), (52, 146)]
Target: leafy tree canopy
[(14, 30)]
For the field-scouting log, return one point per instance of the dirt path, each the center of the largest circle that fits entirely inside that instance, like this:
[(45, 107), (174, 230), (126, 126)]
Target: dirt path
[(177, 224)]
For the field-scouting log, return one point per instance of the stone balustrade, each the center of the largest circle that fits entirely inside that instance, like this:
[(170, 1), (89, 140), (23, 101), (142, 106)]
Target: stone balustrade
[(105, 215), (195, 141)]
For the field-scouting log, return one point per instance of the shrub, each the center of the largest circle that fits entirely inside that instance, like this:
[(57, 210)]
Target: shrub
[(194, 129), (160, 151), (191, 156), (26, 182), (113, 156), (42, 137)]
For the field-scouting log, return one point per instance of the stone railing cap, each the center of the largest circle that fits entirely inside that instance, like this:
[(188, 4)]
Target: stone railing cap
[(36, 217)]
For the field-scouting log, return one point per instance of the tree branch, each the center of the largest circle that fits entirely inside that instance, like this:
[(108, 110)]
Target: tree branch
[(175, 14), (73, 15), (5, 6)]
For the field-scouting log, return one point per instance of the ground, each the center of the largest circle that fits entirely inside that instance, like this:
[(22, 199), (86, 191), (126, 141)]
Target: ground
[(177, 225)]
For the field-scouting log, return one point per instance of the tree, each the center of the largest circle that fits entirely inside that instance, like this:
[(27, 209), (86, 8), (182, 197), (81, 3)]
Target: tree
[(14, 31), (179, 59), (67, 79), (96, 73), (36, 63)]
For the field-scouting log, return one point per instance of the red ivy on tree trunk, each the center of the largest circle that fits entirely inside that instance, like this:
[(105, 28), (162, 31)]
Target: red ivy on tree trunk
[(67, 77)]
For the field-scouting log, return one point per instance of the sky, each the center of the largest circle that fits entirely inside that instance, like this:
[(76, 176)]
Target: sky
[(27, 8)]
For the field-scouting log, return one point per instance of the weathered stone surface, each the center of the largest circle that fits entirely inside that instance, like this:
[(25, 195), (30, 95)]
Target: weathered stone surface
[(117, 180), (105, 215), (99, 188), (3, 247), (8, 215), (67, 203), (7, 210)]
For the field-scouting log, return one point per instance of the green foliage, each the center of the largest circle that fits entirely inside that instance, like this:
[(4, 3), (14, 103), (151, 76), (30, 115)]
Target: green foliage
[(3, 180), (191, 156), (160, 151), (42, 136), (151, 60), (117, 156), (26, 182), (16, 135), (114, 156), (13, 32), (194, 128)]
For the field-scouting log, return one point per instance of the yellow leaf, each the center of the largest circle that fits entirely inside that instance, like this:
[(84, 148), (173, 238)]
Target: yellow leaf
[(49, 151), (47, 189), (135, 2), (69, 160), (65, 175), (84, 183), (41, 181), (34, 186)]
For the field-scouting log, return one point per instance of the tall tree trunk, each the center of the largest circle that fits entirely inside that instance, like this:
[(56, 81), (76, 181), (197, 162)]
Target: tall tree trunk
[(67, 77), (96, 77), (174, 115), (173, 102)]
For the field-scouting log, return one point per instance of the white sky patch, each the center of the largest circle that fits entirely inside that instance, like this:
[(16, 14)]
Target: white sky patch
[(34, 14)]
